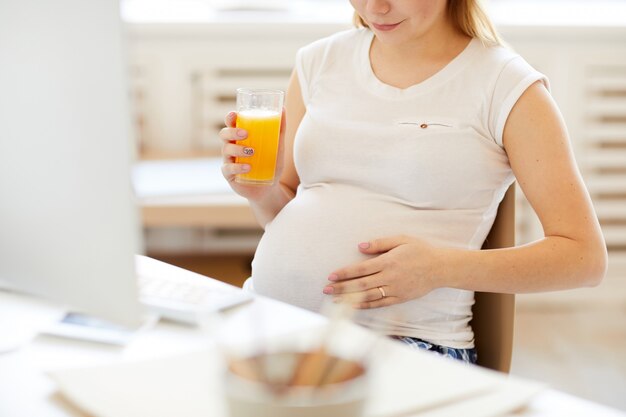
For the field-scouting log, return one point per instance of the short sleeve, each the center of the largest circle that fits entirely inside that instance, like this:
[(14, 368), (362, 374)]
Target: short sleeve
[(303, 69), (516, 76), (309, 63)]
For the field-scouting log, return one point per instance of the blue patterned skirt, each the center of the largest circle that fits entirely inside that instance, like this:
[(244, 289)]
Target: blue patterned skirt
[(464, 355)]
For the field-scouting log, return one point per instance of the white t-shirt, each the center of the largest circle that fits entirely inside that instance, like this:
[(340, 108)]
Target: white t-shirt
[(376, 161)]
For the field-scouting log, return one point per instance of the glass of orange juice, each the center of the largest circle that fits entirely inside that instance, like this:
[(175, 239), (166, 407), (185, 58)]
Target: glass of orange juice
[(259, 113)]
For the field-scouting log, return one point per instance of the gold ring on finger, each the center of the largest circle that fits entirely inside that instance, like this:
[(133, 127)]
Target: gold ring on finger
[(382, 292)]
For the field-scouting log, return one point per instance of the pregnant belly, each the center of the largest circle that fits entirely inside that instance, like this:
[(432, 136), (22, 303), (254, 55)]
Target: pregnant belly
[(316, 233), (319, 231)]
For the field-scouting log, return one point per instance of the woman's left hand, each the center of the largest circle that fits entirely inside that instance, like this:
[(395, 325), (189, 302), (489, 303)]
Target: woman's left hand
[(404, 269)]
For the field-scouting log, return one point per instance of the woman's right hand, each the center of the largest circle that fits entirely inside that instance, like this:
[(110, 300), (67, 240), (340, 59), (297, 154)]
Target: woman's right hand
[(231, 150)]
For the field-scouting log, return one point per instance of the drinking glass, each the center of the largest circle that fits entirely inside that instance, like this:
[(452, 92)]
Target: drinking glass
[(259, 113)]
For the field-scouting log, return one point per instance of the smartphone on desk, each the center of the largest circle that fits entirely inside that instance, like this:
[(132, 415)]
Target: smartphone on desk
[(85, 327)]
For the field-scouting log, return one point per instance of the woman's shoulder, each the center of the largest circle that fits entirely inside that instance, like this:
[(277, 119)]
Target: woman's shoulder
[(327, 56), (495, 55), (319, 55), (496, 58), (502, 66)]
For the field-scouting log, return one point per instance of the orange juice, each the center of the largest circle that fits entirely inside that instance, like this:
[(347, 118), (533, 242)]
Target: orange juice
[(263, 127)]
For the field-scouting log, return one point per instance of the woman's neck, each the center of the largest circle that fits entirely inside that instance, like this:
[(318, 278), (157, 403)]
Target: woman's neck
[(404, 64)]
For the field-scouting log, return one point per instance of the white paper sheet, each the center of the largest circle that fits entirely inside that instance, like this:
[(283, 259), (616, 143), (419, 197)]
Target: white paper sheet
[(404, 382)]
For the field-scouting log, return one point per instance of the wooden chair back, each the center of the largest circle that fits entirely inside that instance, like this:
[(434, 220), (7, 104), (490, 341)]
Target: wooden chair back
[(493, 313)]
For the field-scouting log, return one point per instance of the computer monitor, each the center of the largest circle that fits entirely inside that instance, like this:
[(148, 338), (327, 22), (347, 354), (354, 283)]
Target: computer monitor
[(69, 225)]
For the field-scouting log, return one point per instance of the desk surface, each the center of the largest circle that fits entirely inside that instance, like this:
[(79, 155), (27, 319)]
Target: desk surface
[(189, 193), (26, 390), (222, 211)]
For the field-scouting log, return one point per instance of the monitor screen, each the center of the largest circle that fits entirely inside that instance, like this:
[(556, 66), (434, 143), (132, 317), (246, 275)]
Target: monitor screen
[(69, 225)]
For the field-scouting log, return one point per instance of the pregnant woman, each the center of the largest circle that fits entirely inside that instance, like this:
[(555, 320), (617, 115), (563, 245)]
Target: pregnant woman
[(399, 139)]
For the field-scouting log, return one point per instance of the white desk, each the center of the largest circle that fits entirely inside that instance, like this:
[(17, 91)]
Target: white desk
[(26, 391)]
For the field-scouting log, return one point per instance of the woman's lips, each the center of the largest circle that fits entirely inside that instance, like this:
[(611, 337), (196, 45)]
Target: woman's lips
[(385, 28)]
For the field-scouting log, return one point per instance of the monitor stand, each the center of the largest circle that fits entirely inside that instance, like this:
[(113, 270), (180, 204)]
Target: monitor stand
[(13, 336), (21, 317)]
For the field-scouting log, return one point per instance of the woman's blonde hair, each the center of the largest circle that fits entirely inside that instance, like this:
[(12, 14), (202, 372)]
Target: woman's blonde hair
[(468, 16)]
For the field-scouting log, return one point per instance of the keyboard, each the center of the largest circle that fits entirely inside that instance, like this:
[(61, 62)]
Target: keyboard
[(186, 299)]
